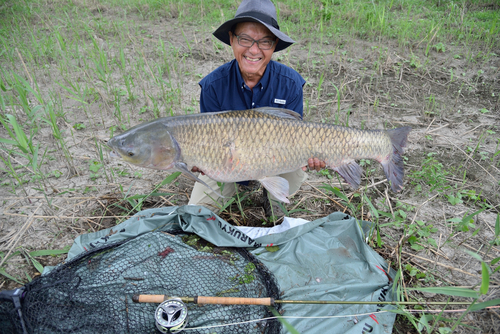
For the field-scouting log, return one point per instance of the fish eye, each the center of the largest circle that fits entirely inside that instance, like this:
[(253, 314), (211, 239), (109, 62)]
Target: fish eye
[(130, 154)]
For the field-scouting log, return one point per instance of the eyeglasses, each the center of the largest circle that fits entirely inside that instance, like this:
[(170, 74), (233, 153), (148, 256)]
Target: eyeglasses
[(263, 44)]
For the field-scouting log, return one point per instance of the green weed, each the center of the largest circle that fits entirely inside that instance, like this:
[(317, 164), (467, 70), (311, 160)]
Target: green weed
[(95, 168), (18, 137), (30, 259), (431, 176), (52, 120), (465, 223), (136, 202)]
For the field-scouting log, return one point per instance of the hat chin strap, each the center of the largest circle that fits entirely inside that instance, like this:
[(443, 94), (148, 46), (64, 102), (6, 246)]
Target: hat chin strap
[(262, 17)]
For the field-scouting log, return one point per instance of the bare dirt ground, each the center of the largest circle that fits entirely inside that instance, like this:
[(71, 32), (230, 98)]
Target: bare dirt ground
[(455, 121)]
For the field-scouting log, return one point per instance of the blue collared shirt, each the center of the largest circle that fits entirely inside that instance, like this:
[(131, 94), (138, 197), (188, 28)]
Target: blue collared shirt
[(225, 89)]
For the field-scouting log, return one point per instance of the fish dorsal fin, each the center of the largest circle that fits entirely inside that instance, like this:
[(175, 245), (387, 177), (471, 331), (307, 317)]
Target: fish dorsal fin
[(279, 112)]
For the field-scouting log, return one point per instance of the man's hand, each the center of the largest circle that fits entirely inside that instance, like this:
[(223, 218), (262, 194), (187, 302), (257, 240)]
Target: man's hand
[(315, 164), (197, 170)]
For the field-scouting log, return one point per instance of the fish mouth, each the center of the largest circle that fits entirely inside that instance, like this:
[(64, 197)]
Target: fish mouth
[(114, 155)]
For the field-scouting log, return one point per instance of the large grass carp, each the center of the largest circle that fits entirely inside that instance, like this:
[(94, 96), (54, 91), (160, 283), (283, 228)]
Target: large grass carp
[(258, 144)]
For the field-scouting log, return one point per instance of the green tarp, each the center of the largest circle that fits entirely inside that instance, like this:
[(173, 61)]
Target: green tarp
[(326, 259)]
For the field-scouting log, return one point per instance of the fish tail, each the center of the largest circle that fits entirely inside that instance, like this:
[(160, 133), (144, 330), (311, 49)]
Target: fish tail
[(393, 163)]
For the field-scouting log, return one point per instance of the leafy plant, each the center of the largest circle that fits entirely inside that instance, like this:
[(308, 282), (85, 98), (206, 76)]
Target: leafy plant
[(432, 174), (79, 126), (19, 139), (414, 272), (95, 167), (439, 47), (249, 275), (466, 222), (455, 199), (30, 259), (398, 215), (419, 235)]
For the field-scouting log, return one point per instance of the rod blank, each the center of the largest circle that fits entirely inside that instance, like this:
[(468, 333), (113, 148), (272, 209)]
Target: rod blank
[(271, 301), (234, 301)]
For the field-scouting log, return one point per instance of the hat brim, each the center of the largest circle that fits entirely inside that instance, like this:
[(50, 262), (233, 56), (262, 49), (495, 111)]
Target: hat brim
[(222, 33)]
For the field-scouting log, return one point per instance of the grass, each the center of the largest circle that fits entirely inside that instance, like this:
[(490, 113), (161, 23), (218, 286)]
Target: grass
[(74, 73)]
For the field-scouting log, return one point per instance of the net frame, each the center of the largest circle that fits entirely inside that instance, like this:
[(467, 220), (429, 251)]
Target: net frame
[(93, 291)]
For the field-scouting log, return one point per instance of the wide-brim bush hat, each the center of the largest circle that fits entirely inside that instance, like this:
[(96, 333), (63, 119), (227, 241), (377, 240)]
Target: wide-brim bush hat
[(262, 11)]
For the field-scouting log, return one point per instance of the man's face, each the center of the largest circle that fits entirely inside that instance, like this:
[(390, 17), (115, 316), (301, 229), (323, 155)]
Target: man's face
[(252, 60)]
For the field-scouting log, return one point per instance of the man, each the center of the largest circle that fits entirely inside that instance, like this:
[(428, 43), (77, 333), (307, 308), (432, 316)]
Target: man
[(251, 80)]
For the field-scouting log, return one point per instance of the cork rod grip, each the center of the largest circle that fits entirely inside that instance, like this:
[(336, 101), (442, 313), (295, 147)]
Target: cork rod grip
[(158, 299), (234, 301), (205, 300)]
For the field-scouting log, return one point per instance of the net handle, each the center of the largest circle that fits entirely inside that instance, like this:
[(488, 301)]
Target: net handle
[(205, 300)]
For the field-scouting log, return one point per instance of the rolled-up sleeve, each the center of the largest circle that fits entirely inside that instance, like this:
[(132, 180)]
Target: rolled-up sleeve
[(297, 101)]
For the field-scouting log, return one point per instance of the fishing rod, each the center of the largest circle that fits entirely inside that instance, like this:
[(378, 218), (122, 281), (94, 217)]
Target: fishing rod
[(269, 301), (171, 314)]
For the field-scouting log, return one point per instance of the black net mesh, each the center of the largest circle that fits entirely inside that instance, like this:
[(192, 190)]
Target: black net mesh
[(93, 292), (9, 320)]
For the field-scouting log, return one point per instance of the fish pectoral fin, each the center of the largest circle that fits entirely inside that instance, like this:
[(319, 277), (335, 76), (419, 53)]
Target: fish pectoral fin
[(182, 167), (277, 186), (351, 172)]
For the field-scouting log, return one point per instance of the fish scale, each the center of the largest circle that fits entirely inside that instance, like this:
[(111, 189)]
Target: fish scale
[(272, 145), (257, 144)]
